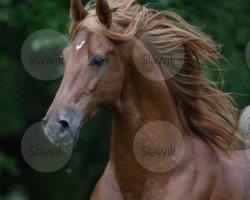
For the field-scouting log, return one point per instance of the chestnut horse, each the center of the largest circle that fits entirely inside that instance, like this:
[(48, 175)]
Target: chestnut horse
[(108, 38)]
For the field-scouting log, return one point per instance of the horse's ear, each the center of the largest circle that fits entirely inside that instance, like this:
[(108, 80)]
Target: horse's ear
[(103, 12), (77, 11)]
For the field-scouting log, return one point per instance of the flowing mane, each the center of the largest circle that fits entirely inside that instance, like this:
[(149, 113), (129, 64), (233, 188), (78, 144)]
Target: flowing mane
[(207, 111)]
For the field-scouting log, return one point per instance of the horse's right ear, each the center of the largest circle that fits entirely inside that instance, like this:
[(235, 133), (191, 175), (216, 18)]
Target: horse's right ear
[(77, 11)]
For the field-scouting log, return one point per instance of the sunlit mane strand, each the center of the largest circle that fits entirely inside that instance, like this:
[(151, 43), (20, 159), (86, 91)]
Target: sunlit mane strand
[(208, 112)]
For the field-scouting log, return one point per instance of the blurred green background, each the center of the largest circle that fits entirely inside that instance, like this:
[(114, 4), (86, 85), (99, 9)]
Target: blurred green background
[(25, 100)]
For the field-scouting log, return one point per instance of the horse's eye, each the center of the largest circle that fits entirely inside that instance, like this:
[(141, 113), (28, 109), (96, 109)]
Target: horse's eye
[(97, 60)]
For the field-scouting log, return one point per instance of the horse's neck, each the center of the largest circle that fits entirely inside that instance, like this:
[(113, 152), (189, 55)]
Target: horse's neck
[(141, 102)]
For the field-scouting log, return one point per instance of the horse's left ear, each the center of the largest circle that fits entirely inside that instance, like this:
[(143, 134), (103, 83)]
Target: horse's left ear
[(103, 12), (77, 11)]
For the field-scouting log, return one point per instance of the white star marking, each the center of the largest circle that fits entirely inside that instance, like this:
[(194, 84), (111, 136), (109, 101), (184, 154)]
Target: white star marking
[(79, 46)]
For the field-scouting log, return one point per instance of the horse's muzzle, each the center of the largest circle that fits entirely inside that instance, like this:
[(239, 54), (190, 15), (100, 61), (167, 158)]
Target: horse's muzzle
[(62, 126)]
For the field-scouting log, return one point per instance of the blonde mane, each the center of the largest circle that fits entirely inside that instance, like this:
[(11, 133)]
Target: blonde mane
[(207, 111)]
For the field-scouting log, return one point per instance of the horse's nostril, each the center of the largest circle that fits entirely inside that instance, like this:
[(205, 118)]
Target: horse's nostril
[(64, 124), (44, 122)]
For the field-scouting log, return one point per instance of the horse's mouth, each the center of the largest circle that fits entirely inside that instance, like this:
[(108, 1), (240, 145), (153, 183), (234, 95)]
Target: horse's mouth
[(62, 125)]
